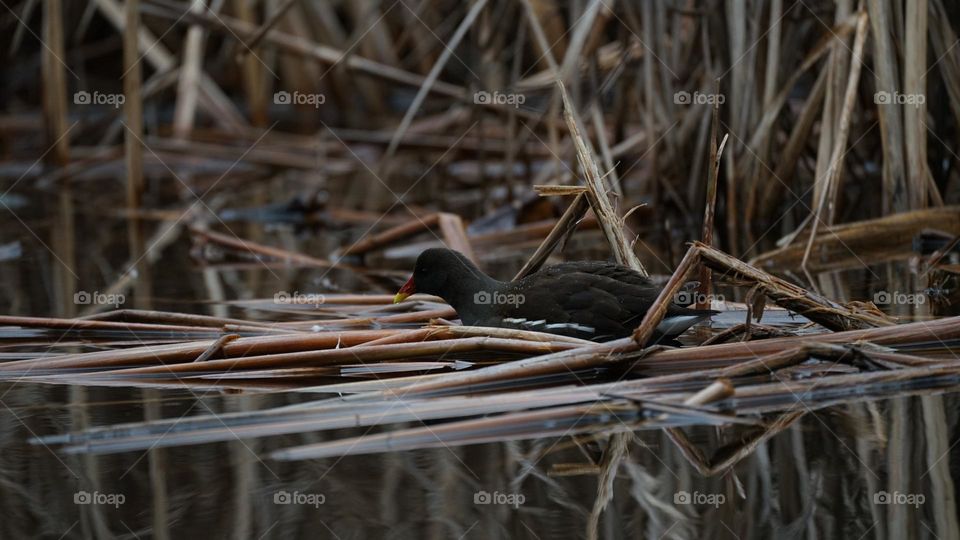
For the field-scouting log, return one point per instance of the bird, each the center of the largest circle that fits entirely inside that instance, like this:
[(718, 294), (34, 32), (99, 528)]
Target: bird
[(592, 300)]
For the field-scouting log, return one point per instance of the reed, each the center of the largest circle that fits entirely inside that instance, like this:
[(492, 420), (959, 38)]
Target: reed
[(809, 147)]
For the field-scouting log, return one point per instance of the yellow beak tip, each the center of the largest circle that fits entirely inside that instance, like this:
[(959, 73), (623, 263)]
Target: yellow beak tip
[(400, 297)]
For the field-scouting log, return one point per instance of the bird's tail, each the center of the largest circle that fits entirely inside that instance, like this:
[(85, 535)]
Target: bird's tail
[(674, 325)]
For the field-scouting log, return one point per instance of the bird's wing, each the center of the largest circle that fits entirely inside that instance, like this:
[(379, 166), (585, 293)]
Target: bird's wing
[(597, 300), (579, 304)]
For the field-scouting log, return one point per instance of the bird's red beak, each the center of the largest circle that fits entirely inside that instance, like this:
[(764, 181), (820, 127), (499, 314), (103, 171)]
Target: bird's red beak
[(405, 291)]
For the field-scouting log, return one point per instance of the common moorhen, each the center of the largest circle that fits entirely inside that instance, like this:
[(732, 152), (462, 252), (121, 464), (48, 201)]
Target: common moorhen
[(591, 300)]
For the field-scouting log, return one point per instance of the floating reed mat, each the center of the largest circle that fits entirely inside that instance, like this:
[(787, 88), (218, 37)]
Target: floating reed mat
[(389, 376), (478, 385), (760, 397)]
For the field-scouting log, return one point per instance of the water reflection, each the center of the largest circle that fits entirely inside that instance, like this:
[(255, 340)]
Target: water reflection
[(874, 469)]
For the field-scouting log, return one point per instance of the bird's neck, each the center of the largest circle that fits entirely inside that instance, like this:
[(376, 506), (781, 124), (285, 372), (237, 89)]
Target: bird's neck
[(474, 294)]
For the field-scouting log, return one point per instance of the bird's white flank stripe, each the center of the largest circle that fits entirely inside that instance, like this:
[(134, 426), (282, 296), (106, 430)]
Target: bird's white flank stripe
[(572, 326), (552, 326)]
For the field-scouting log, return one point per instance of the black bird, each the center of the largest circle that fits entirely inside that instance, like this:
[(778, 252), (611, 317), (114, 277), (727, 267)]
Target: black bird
[(591, 300)]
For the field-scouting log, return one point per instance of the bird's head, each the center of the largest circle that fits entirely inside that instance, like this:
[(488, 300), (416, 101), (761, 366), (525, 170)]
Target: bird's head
[(434, 273)]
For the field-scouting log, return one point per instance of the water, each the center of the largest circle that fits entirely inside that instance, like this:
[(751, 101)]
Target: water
[(827, 476)]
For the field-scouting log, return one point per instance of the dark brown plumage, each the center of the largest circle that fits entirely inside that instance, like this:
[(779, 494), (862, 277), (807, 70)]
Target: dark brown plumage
[(590, 300)]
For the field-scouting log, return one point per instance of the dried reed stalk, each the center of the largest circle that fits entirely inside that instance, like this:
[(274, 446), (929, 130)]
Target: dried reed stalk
[(610, 222), (850, 245)]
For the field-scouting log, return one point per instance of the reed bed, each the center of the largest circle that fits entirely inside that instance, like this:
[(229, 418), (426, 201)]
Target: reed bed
[(270, 147), (500, 384)]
